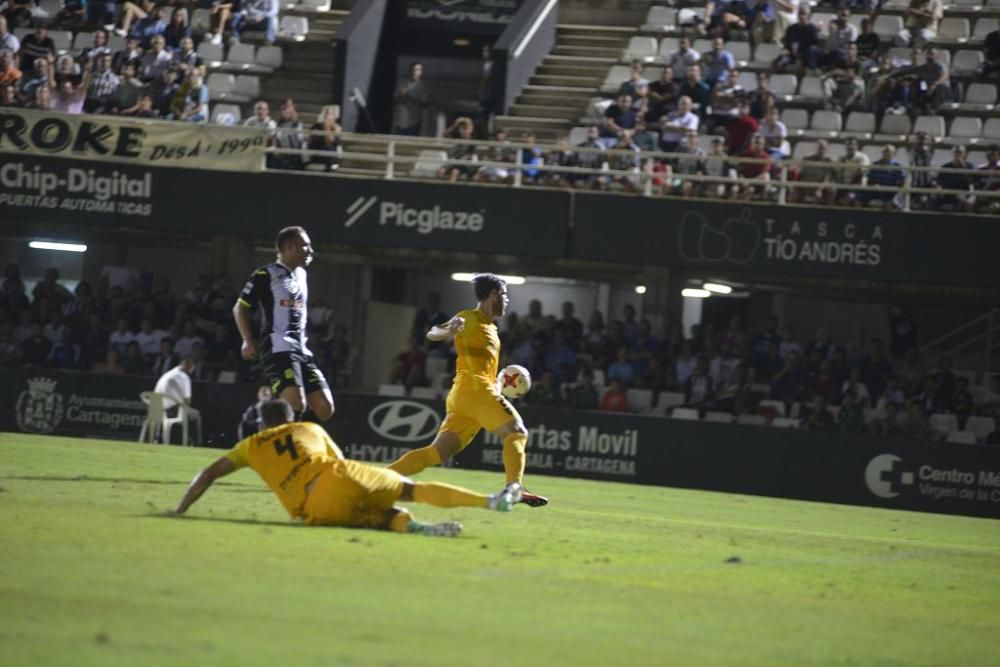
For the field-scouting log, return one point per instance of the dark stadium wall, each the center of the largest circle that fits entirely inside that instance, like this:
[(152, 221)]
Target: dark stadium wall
[(356, 47)]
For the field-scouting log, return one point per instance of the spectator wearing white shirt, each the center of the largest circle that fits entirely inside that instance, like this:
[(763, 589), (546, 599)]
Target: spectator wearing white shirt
[(175, 385), (774, 133), (261, 117), (682, 58), (676, 125), (155, 61), (120, 337), (8, 40), (149, 338)]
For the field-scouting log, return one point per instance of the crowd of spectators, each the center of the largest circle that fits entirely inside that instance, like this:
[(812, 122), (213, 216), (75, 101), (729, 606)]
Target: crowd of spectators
[(124, 326), (860, 385)]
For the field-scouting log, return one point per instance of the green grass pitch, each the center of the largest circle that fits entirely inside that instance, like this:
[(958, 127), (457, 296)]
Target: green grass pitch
[(93, 573)]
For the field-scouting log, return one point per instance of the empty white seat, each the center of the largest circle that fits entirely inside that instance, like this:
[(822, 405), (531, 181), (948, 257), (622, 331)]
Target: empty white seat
[(953, 29), (825, 123), (962, 437), (777, 406), (391, 390), (702, 46), (785, 422), (428, 163), (941, 156), (50, 8), (220, 85), (83, 40), (804, 149), (836, 151), (795, 119), (967, 4), (248, 85), (740, 52), (984, 27), (684, 413), (62, 39), (984, 94), (967, 62), (240, 56), (201, 20), (980, 426), (617, 75), (641, 48), (640, 400), (784, 85), (667, 46), (932, 125), (873, 151), (577, 135), (293, 27), (652, 72), (314, 5), (270, 57), (812, 88), (660, 19), (753, 420), (966, 128), (669, 399), (116, 42), (210, 53), (991, 130), (747, 81), (943, 423), (887, 26), (764, 54), (720, 417), (226, 114), (860, 123), (896, 125)]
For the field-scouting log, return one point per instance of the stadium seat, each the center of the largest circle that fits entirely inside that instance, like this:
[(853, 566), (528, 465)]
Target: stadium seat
[(824, 125), (82, 40), (660, 19), (979, 97), (116, 42), (894, 128), (641, 48), (943, 423), (812, 89), (617, 75), (226, 114), (747, 81), (667, 46), (702, 46), (577, 135), (785, 422), (201, 21), (966, 63), (900, 56), (21, 32), (983, 28), (980, 426), (991, 130), (886, 26), (752, 420), (427, 393), (652, 72), (803, 149), (428, 163), (961, 438), (941, 156), (932, 125), (63, 40), (391, 390), (784, 85), (241, 56), (157, 421), (795, 121), (50, 8), (247, 87), (221, 86), (777, 406), (974, 5), (669, 399), (764, 55), (640, 400), (270, 58), (965, 130), (684, 413), (314, 5), (860, 124), (690, 17), (211, 54), (295, 28), (836, 151), (720, 417), (952, 29), (740, 52)]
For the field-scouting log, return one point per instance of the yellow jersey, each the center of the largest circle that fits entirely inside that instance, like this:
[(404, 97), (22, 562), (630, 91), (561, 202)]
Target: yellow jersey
[(478, 348), (287, 457)]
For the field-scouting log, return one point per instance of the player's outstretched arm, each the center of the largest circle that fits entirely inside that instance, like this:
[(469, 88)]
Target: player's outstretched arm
[(440, 332), (202, 481)]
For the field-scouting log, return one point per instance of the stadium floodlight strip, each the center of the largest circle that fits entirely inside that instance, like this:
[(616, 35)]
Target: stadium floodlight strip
[(467, 277), (694, 293), (640, 289), (718, 288), (52, 245), (534, 28)]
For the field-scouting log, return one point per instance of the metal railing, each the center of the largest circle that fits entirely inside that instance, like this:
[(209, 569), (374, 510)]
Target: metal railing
[(774, 182), (977, 338)]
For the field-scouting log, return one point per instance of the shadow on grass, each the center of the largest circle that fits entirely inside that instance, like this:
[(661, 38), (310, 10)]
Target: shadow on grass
[(230, 486), (220, 519)]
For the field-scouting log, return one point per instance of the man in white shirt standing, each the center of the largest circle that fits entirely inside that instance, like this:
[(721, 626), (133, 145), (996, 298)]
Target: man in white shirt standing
[(175, 384)]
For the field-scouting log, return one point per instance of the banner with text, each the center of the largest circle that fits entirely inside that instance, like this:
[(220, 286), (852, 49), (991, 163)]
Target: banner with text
[(488, 17), (148, 143), (845, 243)]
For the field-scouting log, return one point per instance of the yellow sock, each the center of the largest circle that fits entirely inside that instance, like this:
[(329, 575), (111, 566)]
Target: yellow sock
[(513, 456), (416, 460), (446, 495)]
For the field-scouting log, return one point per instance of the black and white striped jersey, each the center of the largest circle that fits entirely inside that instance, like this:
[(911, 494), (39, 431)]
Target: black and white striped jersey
[(282, 296)]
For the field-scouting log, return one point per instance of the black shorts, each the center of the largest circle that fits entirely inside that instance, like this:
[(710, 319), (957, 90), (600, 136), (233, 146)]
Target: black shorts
[(292, 369)]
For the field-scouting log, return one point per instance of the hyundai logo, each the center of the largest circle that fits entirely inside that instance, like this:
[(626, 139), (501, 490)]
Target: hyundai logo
[(404, 421)]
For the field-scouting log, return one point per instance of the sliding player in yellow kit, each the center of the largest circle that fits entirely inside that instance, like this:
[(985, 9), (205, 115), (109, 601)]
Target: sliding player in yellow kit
[(474, 401), (315, 483)]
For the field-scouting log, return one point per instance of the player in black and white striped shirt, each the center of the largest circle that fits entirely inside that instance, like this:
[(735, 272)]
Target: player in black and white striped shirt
[(280, 292)]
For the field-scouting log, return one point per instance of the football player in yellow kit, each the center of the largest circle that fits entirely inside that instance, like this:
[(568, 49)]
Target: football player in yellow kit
[(315, 483), (474, 401)]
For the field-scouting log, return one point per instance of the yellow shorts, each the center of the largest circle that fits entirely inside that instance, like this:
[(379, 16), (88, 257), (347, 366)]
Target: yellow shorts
[(471, 408), (349, 493)]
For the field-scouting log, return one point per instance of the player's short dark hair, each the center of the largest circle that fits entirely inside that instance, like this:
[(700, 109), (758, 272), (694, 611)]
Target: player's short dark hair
[(276, 412), (287, 234), (485, 283)]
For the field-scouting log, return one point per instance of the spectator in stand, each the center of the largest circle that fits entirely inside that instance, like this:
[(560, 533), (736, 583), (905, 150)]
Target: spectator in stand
[(544, 393), (699, 91), (690, 162), (635, 79), (461, 152), (771, 18), (625, 158), (759, 170), (410, 101), (251, 421), (699, 388), (841, 34), (801, 43), (889, 422), (945, 382), (725, 15), (256, 15), (184, 344), (740, 130), (132, 360), (716, 165), (261, 117), (618, 116), (852, 172), (532, 156), (35, 78), (989, 182), (663, 94), (102, 85), (947, 180), (36, 45), (10, 352), (677, 124), (570, 327), (856, 385), (149, 338), (622, 369), (70, 97), (885, 172), (166, 359), (774, 133), (119, 339), (325, 136), (35, 349), (717, 63), (962, 403), (789, 383), (682, 58), (816, 168), (584, 395), (185, 56), (149, 26), (988, 403), (991, 54), (410, 367), (66, 70), (191, 102), (591, 157), (921, 155), (162, 92), (8, 40), (922, 19), (51, 289), (42, 100), (761, 99), (916, 424), (178, 29), (685, 363), (8, 97), (125, 100), (725, 98), (9, 74), (817, 417), (153, 62), (868, 43), (614, 399), (289, 135), (844, 85), (130, 54), (875, 368), (823, 383), (851, 418)]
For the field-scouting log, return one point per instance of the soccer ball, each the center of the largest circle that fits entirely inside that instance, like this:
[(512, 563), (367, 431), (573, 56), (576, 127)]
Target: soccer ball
[(514, 381)]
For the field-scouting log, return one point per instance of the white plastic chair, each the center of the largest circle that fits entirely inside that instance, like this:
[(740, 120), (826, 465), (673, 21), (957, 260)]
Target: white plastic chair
[(226, 114), (641, 48), (270, 58), (660, 19), (943, 423), (684, 413), (391, 390), (157, 420), (980, 426), (428, 163), (640, 400), (294, 27)]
